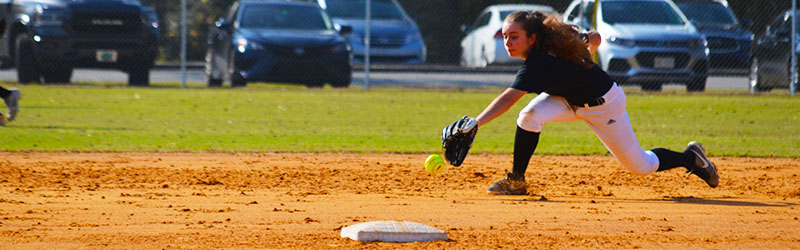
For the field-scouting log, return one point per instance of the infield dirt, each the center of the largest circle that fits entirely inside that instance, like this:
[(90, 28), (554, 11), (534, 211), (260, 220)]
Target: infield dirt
[(301, 201)]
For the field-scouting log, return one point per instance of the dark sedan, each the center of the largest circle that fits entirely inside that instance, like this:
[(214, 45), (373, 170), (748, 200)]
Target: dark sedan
[(729, 41), (770, 65), (276, 41)]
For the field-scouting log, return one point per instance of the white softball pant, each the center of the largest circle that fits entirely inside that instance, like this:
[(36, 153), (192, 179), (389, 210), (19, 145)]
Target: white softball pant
[(609, 121)]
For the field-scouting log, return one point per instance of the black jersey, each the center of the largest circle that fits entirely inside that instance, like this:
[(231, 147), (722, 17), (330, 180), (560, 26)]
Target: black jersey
[(558, 77)]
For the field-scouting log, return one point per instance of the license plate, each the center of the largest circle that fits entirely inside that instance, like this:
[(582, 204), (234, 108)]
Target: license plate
[(664, 62), (107, 56)]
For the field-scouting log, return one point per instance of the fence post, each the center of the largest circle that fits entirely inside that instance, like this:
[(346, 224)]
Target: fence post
[(183, 43), (368, 13)]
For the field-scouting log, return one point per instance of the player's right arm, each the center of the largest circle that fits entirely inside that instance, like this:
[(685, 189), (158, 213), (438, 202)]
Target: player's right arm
[(500, 105)]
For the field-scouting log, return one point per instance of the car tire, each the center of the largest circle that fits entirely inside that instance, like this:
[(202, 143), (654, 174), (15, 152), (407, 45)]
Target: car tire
[(315, 84), (27, 67), (139, 77), (343, 82), (56, 74), (210, 80), (756, 84), (652, 86), (237, 80), (697, 85)]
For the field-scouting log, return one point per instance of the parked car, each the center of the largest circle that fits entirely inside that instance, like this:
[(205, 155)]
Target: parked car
[(647, 42), (278, 41), (729, 41), (483, 44), (770, 64), (46, 39), (394, 36)]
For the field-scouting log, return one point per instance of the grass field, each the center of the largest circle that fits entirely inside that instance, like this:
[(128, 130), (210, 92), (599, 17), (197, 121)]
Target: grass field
[(286, 118)]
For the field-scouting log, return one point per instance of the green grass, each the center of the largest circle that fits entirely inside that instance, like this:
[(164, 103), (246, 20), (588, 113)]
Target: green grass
[(286, 118)]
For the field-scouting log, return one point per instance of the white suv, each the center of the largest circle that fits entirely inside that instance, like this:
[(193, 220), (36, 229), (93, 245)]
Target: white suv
[(646, 42)]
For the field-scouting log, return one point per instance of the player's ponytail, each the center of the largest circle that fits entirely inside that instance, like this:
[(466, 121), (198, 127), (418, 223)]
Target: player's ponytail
[(553, 36)]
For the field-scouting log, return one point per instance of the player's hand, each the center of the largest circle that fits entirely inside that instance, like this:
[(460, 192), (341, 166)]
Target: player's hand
[(594, 41)]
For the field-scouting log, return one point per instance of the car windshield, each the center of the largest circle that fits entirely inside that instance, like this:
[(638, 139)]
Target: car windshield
[(640, 12), (284, 17), (355, 9), (708, 13)]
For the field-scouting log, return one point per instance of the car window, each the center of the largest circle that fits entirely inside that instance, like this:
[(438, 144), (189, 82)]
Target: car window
[(708, 13), (482, 20), (284, 17), (640, 12), (574, 13), (355, 9)]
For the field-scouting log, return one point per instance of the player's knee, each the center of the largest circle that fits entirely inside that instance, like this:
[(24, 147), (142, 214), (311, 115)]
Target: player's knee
[(639, 170), (637, 166), (528, 122)]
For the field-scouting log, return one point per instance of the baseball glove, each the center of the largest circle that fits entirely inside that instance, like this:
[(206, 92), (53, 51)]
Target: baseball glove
[(457, 139)]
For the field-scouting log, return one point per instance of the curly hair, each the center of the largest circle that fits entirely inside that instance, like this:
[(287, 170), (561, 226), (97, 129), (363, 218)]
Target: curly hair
[(553, 36)]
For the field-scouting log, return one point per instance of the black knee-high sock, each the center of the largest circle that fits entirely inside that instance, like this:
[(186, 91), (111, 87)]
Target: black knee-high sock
[(668, 159), (524, 144), (4, 93)]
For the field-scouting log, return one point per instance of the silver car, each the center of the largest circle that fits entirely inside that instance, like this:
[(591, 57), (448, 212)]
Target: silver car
[(646, 42)]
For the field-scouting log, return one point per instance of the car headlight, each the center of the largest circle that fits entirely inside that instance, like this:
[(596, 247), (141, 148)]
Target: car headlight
[(48, 17), (621, 41), (698, 43), (242, 45), (149, 17), (411, 38)]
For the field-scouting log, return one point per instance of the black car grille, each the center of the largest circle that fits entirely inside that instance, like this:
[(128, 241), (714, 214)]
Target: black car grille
[(106, 24), (721, 43), (647, 59), (107, 45), (386, 41), (617, 64), (300, 52), (671, 44)]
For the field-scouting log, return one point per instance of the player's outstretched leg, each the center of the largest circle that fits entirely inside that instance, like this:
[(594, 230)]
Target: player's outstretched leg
[(703, 168), (12, 103), (513, 184)]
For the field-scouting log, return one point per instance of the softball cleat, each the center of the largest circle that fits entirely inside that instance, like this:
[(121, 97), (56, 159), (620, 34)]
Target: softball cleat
[(511, 185), (703, 168)]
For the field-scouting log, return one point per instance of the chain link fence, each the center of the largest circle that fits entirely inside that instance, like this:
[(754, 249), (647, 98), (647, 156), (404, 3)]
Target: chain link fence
[(645, 43)]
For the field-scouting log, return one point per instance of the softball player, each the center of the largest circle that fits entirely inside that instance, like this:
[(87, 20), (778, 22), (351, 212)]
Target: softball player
[(559, 68)]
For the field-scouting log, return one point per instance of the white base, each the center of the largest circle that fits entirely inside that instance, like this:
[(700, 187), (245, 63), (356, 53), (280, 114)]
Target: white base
[(393, 231)]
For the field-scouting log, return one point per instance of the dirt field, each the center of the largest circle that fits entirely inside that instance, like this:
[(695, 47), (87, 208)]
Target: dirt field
[(301, 201)]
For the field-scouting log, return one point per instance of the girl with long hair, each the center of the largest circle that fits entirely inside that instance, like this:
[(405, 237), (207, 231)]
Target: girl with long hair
[(570, 87)]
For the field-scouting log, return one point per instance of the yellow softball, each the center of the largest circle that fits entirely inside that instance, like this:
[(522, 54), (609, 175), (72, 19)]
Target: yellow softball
[(434, 164)]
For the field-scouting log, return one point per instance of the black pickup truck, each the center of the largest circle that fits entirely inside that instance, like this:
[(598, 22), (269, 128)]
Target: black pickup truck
[(47, 39)]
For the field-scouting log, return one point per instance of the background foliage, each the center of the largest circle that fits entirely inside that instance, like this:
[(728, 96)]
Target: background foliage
[(439, 21)]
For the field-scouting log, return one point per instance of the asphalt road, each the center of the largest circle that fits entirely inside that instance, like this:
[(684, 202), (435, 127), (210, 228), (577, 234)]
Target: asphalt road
[(382, 77)]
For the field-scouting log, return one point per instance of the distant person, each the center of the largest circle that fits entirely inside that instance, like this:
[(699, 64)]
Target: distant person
[(572, 87), (11, 98)]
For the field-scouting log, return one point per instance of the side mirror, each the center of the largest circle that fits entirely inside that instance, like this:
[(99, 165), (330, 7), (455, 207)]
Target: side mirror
[(345, 30), (747, 23), (222, 24), (465, 28)]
